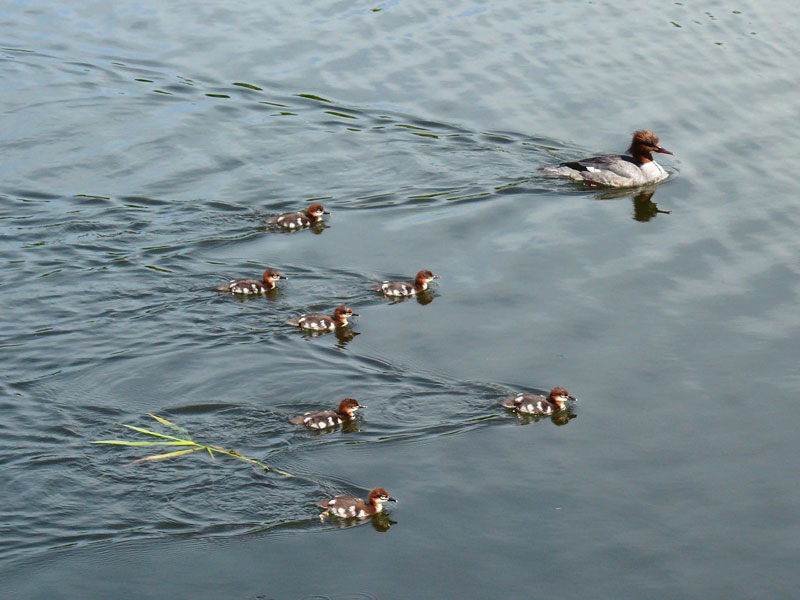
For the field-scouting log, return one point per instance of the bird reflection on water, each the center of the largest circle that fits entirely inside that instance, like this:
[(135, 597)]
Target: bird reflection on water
[(380, 522), (562, 417), (644, 208), (422, 298)]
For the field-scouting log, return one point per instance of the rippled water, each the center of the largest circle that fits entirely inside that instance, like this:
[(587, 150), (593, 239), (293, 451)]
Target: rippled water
[(144, 147)]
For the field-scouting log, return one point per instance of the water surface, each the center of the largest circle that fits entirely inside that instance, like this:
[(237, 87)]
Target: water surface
[(144, 147)]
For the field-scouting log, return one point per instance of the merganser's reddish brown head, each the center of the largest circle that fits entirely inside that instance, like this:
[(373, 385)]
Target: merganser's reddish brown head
[(559, 396), (315, 211), (423, 277), (270, 277), (378, 496), (349, 406), (342, 313), (643, 143)]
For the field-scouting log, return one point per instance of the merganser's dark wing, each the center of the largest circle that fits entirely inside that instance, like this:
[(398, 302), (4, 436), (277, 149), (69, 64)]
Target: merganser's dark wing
[(619, 164)]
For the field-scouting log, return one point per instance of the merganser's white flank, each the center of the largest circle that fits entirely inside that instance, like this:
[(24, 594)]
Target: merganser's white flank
[(619, 170), (348, 507)]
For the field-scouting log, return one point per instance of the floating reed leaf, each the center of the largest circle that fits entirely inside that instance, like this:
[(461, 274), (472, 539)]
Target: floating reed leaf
[(167, 455), (163, 421), (128, 443), (148, 432), (176, 441)]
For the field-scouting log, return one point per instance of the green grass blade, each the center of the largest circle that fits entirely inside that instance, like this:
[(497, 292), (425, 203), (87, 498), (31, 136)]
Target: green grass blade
[(148, 432), (176, 441), (127, 443), (163, 421), (278, 471), (235, 454), (163, 456)]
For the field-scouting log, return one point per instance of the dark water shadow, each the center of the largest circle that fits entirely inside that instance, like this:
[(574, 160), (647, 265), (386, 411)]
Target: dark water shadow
[(423, 298), (644, 208), (562, 417)]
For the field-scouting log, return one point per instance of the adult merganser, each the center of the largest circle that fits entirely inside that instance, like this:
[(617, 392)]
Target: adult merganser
[(619, 170), (348, 507)]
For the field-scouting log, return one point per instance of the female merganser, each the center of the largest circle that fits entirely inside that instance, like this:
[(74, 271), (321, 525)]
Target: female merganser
[(252, 286), (317, 322), (348, 507), (322, 419), (618, 170), (402, 288), (298, 220), (532, 404)]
